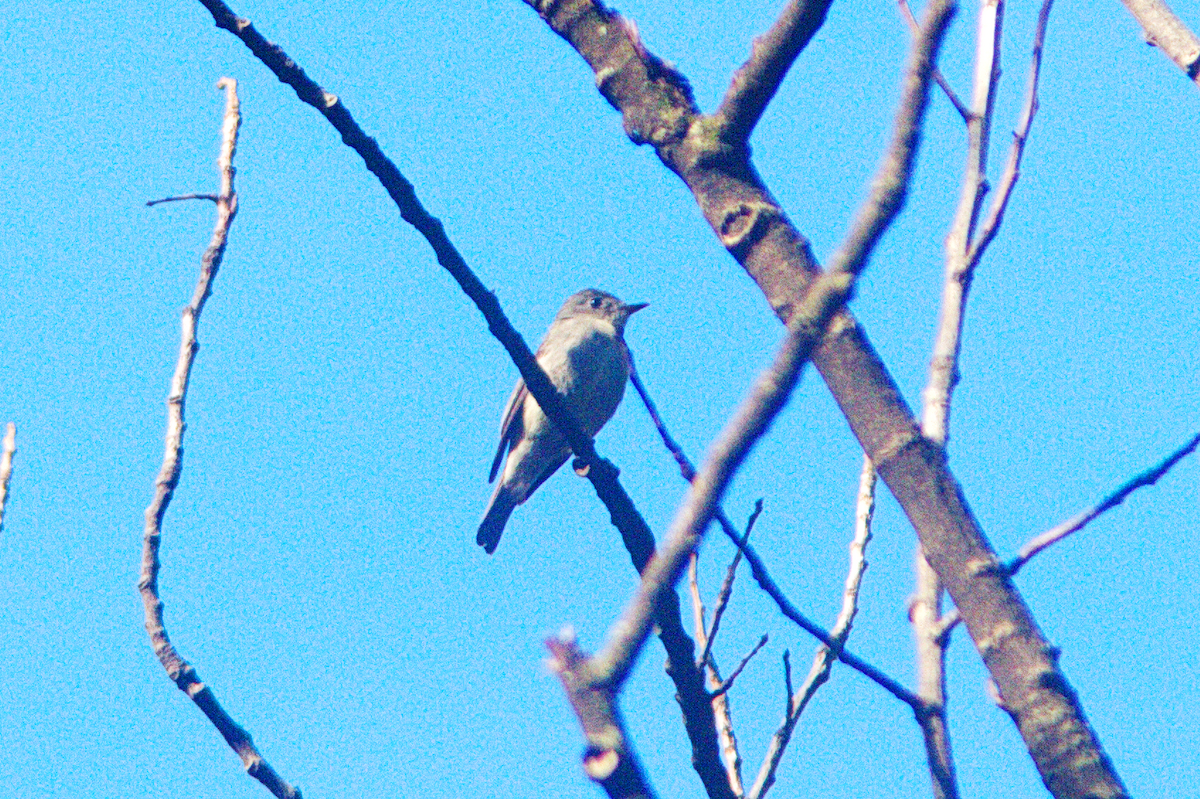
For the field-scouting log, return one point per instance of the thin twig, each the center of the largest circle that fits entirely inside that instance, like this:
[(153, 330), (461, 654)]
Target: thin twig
[(212, 197), (956, 284), (727, 585), (1081, 520), (938, 77), (772, 54), (179, 670), (818, 674), (6, 466), (722, 714), (1012, 167), (727, 683)]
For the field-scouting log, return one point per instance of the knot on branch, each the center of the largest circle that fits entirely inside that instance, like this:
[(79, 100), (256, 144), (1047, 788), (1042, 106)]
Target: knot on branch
[(600, 764), (745, 224)]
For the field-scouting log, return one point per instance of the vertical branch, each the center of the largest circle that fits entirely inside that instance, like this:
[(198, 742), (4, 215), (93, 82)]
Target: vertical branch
[(962, 257), (6, 466), (182, 673), (943, 376), (943, 370)]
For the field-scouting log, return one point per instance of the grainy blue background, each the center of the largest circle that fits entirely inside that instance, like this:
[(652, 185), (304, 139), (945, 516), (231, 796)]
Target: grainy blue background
[(319, 564)]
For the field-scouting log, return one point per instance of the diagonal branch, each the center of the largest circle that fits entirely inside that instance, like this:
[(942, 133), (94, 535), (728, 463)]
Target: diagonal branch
[(727, 586), (182, 673), (657, 107), (1167, 32), (773, 388), (1083, 519), (772, 54), (694, 701), (758, 569)]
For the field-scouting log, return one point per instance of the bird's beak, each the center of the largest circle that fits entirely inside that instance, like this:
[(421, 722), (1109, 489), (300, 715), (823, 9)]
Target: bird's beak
[(634, 307)]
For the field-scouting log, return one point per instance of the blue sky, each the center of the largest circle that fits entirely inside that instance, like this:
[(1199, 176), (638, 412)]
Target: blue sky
[(319, 567)]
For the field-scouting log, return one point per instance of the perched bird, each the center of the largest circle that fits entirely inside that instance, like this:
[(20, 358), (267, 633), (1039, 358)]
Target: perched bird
[(585, 356)]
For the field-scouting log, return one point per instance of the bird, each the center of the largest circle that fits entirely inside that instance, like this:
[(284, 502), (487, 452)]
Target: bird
[(585, 356)]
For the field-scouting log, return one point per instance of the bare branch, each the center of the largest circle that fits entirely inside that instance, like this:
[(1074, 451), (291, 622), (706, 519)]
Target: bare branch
[(608, 760), (6, 465), (772, 54), (724, 687), (636, 535), (886, 197), (1081, 520), (1167, 32), (818, 674), (727, 586), (938, 77), (943, 369), (925, 615), (657, 107), (179, 670), (773, 388), (1012, 168), (180, 197)]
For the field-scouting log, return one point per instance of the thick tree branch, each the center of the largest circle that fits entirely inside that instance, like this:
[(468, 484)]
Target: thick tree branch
[(179, 670), (1167, 32), (608, 759), (772, 54), (774, 386), (657, 108)]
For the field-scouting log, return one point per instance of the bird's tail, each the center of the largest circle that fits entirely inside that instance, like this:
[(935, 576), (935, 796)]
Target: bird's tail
[(495, 517)]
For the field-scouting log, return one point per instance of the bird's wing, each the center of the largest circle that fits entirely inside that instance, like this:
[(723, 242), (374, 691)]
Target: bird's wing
[(511, 425)]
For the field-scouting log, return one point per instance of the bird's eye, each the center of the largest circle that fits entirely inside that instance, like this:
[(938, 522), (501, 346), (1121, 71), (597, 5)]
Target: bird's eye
[(597, 302)]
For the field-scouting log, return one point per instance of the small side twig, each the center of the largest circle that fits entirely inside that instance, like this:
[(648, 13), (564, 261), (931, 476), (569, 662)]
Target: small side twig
[(727, 683), (212, 197), (1082, 519), (727, 585), (182, 673), (822, 665), (938, 77), (6, 466)]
